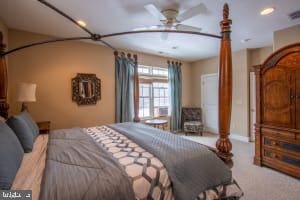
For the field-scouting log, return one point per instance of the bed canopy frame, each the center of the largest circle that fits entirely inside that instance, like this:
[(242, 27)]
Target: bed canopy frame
[(223, 144)]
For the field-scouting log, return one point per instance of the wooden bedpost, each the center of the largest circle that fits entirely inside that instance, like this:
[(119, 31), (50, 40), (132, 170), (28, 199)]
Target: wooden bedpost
[(136, 90), (223, 143), (3, 80)]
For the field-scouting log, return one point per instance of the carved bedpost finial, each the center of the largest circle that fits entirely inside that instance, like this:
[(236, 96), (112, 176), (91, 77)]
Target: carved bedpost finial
[(226, 22), (225, 11)]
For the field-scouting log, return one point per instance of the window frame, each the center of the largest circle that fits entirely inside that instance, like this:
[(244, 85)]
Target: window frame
[(149, 78)]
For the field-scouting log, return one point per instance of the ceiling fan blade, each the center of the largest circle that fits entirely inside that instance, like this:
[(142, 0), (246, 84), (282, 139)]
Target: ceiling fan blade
[(153, 10), (197, 10), (182, 27), (141, 28), (164, 36)]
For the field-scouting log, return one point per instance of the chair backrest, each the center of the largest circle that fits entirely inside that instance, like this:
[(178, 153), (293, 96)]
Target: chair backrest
[(191, 114)]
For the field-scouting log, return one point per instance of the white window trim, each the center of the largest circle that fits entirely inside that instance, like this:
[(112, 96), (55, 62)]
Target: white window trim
[(150, 79)]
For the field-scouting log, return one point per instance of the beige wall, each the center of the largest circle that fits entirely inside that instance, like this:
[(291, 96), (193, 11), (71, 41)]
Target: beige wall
[(52, 66), (240, 96), (259, 55), (199, 68), (286, 36)]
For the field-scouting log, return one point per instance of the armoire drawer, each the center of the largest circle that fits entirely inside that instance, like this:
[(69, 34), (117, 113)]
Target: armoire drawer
[(282, 134), (282, 162), (290, 147)]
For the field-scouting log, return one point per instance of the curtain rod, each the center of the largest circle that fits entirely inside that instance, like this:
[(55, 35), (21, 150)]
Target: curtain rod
[(44, 42), (162, 31)]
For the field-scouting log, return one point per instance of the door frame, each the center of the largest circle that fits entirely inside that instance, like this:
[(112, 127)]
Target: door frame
[(252, 87), (202, 77)]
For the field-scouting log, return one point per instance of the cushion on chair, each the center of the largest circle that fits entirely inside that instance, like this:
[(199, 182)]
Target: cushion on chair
[(193, 126)]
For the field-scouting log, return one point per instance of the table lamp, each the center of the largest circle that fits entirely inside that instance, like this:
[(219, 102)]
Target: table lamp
[(26, 93)]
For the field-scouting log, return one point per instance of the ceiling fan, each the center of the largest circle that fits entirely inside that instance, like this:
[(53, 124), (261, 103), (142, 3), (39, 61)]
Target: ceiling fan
[(170, 19)]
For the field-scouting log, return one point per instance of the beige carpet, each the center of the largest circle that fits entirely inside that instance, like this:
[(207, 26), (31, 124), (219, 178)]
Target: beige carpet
[(258, 183)]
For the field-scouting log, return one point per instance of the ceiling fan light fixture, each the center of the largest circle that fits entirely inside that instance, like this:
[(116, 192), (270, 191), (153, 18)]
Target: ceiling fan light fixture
[(81, 23), (267, 11)]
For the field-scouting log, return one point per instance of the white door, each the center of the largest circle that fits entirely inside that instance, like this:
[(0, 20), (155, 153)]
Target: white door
[(209, 99), (252, 106)]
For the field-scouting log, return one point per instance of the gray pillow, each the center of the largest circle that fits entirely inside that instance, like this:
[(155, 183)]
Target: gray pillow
[(11, 155), (22, 131), (31, 123)]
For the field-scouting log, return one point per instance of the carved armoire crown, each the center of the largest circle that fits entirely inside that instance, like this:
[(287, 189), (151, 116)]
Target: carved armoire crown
[(277, 135)]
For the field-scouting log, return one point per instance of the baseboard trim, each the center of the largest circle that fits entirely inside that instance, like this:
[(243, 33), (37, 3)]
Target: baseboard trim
[(239, 137), (234, 136)]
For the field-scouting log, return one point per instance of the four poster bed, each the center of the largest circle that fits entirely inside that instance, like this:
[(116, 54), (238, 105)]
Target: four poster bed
[(123, 161)]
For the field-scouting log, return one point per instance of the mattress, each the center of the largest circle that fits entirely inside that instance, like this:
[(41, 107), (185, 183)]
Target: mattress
[(148, 175)]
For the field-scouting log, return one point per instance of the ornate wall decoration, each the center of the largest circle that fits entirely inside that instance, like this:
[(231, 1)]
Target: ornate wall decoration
[(86, 89)]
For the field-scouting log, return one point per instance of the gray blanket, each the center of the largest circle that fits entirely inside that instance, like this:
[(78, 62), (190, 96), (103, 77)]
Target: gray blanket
[(78, 168), (192, 168)]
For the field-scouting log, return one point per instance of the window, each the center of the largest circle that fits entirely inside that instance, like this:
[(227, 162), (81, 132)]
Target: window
[(154, 91)]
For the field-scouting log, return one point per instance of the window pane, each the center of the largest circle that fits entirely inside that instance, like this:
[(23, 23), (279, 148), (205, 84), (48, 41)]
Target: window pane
[(156, 102), (146, 102), (141, 114), (155, 84), (144, 69), (156, 112), (161, 93), (146, 112), (146, 92), (155, 92)]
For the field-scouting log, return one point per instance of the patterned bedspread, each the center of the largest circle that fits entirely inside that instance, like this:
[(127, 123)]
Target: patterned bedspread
[(149, 176)]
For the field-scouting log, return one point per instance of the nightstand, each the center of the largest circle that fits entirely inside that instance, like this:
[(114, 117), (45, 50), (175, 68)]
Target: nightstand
[(44, 127)]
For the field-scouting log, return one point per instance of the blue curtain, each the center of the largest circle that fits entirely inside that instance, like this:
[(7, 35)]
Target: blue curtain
[(124, 77), (175, 94)]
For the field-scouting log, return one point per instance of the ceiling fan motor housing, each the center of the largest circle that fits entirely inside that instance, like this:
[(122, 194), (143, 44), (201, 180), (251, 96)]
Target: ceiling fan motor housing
[(170, 15)]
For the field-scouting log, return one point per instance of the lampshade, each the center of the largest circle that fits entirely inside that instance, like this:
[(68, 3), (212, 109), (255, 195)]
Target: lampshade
[(26, 92)]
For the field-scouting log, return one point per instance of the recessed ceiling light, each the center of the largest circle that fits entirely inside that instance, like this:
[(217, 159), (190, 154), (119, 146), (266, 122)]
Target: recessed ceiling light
[(81, 23), (267, 11), (245, 40)]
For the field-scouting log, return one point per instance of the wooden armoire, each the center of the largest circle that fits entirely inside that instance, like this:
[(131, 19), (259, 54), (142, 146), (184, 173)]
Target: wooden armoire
[(277, 129)]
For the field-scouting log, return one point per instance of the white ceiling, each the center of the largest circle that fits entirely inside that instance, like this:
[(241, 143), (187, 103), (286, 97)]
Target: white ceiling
[(109, 16)]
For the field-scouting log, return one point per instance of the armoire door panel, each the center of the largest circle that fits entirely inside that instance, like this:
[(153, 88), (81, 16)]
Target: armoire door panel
[(278, 86), (297, 99)]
